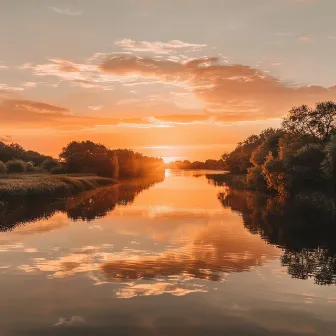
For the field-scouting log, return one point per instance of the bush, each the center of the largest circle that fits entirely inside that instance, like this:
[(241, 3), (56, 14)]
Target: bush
[(29, 167), (255, 179), (3, 168), (16, 166), (36, 170), (58, 170), (49, 164)]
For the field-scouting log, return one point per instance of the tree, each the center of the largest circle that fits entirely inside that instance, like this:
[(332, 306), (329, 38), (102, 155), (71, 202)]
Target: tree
[(3, 168), (49, 164), (89, 157), (320, 123)]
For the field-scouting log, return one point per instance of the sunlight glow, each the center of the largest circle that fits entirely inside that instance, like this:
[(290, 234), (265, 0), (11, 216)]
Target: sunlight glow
[(169, 159)]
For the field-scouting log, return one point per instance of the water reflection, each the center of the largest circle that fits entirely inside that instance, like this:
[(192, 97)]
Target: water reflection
[(86, 206), (304, 229), (169, 260)]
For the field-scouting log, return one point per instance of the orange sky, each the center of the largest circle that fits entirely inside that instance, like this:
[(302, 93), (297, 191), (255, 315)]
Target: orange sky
[(170, 79)]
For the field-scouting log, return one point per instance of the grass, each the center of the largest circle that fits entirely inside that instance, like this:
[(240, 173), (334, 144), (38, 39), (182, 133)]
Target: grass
[(35, 185)]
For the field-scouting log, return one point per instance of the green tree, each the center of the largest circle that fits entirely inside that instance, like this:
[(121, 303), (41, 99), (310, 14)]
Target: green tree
[(49, 164), (89, 157), (320, 122)]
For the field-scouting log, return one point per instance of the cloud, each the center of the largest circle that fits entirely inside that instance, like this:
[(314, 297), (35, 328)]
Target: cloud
[(223, 92), (7, 88), (231, 92), (6, 139), (95, 108), (34, 106), (158, 47), (30, 84), (67, 11), (37, 115), (306, 38)]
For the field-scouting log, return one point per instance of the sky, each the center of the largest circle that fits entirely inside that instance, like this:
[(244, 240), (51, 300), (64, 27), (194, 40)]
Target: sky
[(178, 79)]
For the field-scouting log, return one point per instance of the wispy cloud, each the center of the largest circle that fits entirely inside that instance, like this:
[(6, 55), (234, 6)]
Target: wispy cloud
[(67, 11), (29, 84), (306, 38), (158, 47), (224, 92), (95, 108), (6, 138)]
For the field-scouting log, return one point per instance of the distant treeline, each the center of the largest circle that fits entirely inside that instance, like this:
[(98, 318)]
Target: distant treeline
[(80, 157), (299, 156), (208, 164)]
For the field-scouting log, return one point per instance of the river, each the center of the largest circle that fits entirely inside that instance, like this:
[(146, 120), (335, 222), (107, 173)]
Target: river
[(179, 255)]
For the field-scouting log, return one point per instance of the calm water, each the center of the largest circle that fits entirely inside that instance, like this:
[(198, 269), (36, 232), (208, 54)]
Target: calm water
[(179, 256)]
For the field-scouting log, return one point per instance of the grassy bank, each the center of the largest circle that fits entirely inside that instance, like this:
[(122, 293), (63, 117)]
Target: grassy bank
[(36, 185)]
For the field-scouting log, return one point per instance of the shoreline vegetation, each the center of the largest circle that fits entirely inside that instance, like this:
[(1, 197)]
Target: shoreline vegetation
[(81, 166), (46, 185), (299, 158), (87, 205), (196, 165)]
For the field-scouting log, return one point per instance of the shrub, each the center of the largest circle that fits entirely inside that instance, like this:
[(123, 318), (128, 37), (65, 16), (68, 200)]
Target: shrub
[(16, 166), (58, 170), (29, 167), (255, 179), (3, 168), (37, 170), (49, 164)]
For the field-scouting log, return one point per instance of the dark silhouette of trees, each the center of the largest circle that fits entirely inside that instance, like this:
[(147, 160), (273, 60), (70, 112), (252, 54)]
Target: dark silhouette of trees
[(16, 152), (89, 157), (49, 164), (301, 156), (320, 123), (208, 165)]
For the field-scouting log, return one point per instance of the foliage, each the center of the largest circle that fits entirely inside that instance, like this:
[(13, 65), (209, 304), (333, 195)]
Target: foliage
[(300, 156), (238, 161), (58, 170), (319, 123), (29, 167), (16, 166), (49, 164), (3, 168), (49, 186), (88, 157), (16, 152), (207, 165)]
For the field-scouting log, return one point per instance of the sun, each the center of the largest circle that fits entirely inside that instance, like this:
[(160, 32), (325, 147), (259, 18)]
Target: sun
[(169, 159)]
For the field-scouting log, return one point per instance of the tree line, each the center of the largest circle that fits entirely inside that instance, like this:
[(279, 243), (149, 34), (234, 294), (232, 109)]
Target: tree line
[(298, 156), (186, 164), (84, 157)]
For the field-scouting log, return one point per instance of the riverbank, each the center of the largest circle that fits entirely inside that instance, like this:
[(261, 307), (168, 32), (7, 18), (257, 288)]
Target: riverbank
[(231, 180), (37, 185)]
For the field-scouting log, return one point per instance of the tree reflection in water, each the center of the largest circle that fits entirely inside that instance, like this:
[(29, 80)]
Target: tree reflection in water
[(305, 228), (86, 206)]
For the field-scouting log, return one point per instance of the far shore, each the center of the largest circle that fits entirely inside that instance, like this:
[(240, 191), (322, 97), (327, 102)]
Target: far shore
[(48, 185)]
